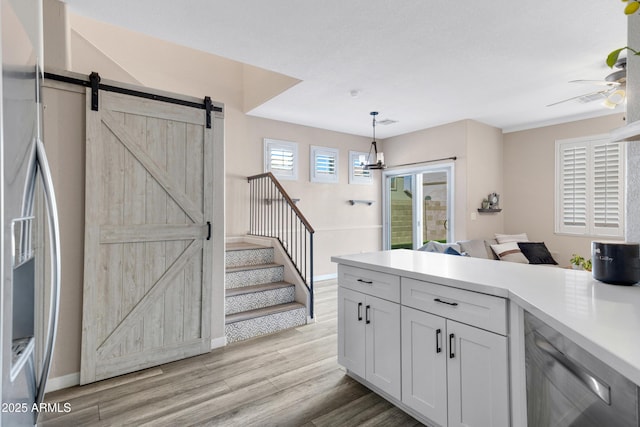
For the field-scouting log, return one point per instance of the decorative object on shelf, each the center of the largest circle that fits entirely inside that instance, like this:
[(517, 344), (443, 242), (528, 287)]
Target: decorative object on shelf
[(494, 200), (365, 202), (490, 204), (376, 162)]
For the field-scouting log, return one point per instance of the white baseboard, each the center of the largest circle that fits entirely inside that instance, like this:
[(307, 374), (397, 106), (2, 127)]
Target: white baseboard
[(65, 381), (218, 342)]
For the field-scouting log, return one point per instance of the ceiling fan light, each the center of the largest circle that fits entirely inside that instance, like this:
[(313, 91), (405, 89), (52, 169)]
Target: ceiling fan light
[(615, 98)]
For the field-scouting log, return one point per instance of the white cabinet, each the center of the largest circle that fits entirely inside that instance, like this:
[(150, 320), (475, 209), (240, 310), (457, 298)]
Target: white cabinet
[(369, 339), (453, 374), (424, 364), (477, 373), (437, 350)]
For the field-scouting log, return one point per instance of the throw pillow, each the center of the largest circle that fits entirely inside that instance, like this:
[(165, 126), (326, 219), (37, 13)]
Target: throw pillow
[(536, 253), (438, 247), (509, 252), (475, 249), (451, 251), (506, 238)]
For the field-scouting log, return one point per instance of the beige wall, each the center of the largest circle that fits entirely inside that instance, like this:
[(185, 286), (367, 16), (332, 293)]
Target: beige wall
[(529, 184), (478, 168)]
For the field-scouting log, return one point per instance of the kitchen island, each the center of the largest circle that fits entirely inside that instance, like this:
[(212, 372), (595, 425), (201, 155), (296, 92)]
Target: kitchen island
[(602, 319)]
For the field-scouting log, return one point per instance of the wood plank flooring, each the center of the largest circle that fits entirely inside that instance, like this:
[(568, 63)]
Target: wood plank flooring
[(290, 378)]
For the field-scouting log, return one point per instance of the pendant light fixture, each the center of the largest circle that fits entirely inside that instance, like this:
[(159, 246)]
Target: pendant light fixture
[(374, 160)]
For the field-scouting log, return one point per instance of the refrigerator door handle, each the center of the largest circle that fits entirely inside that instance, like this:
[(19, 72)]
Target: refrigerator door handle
[(54, 231)]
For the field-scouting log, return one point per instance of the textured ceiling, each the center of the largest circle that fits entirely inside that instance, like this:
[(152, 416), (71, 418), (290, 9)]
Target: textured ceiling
[(420, 62)]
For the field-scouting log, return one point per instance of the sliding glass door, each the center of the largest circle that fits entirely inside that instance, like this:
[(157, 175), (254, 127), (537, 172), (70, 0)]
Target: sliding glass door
[(418, 206)]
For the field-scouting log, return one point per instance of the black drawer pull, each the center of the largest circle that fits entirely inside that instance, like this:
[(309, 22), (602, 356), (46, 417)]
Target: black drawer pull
[(366, 311), (365, 281), (438, 342), (359, 311), (446, 302), (452, 341)]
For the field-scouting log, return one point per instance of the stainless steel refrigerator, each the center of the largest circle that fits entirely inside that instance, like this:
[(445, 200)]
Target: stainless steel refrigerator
[(23, 163)]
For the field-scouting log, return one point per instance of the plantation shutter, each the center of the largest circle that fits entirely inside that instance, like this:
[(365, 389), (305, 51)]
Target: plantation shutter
[(590, 192), (280, 158), (607, 191), (324, 164), (574, 188)]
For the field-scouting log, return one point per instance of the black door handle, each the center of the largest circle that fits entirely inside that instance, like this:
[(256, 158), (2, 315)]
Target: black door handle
[(359, 311), (438, 340), (365, 281), (366, 311), (452, 341)]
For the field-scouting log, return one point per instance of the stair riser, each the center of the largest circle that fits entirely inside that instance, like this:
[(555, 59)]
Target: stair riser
[(254, 300), (265, 325), (238, 279), (241, 258)]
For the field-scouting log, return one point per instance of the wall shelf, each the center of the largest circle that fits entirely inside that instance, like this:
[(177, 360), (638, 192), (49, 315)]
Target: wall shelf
[(489, 210), (365, 202)]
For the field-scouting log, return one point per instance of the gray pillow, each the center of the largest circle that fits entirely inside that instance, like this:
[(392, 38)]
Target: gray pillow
[(475, 248)]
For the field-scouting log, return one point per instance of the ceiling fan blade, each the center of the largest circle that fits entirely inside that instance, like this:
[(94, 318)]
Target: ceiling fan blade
[(596, 82), (587, 97)]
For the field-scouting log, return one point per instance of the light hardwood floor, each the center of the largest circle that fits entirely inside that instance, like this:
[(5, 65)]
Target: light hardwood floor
[(286, 379)]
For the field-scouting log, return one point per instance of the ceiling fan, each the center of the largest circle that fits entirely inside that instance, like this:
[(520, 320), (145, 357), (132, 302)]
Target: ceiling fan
[(614, 92)]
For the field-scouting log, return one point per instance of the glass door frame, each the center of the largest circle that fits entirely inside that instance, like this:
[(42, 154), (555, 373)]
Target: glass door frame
[(416, 173)]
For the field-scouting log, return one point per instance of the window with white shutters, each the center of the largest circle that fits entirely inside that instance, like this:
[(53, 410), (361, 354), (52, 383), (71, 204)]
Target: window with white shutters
[(357, 173), (590, 185), (281, 158), (324, 164)]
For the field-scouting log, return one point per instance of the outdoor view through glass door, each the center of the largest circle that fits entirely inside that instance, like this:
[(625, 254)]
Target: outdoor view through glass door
[(418, 207)]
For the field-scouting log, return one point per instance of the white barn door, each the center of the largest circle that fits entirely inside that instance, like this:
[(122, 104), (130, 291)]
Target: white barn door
[(149, 198)]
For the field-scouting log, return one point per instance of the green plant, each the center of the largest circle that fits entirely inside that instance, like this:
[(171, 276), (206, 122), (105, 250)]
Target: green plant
[(576, 259), (631, 8), (586, 264)]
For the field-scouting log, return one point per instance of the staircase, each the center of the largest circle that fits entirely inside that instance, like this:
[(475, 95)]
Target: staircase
[(257, 299)]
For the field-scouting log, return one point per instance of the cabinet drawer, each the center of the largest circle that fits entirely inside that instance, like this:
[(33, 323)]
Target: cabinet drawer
[(381, 285), (473, 308)]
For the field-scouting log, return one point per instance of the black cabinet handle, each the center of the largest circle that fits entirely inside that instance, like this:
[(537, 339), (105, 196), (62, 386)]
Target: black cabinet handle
[(359, 311), (365, 281), (438, 340), (452, 341), (446, 302), (366, 311)]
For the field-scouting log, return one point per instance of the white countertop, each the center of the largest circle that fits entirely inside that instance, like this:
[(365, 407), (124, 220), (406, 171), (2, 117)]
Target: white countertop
[(603, 319)]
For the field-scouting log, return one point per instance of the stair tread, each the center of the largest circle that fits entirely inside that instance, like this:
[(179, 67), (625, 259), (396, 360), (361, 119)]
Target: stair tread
[(242, 246), (251, 267), (260, 312), (231, 292)]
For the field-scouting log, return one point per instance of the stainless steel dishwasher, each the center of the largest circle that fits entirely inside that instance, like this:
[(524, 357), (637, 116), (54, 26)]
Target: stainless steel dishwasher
[(567, 386)]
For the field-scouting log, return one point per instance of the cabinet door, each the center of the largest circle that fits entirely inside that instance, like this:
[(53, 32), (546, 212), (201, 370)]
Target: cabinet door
[(382, 320), (351, 331), (477, 377), (424, 364)]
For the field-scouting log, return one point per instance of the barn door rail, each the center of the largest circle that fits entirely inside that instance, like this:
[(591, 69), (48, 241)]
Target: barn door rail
[(94, 82), (284, 222)]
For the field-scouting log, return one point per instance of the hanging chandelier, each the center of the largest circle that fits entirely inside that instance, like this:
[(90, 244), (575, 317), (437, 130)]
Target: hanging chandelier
[(374, 160)]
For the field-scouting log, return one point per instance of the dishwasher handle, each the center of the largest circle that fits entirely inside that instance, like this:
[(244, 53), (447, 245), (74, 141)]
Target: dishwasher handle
[(597, 387)]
